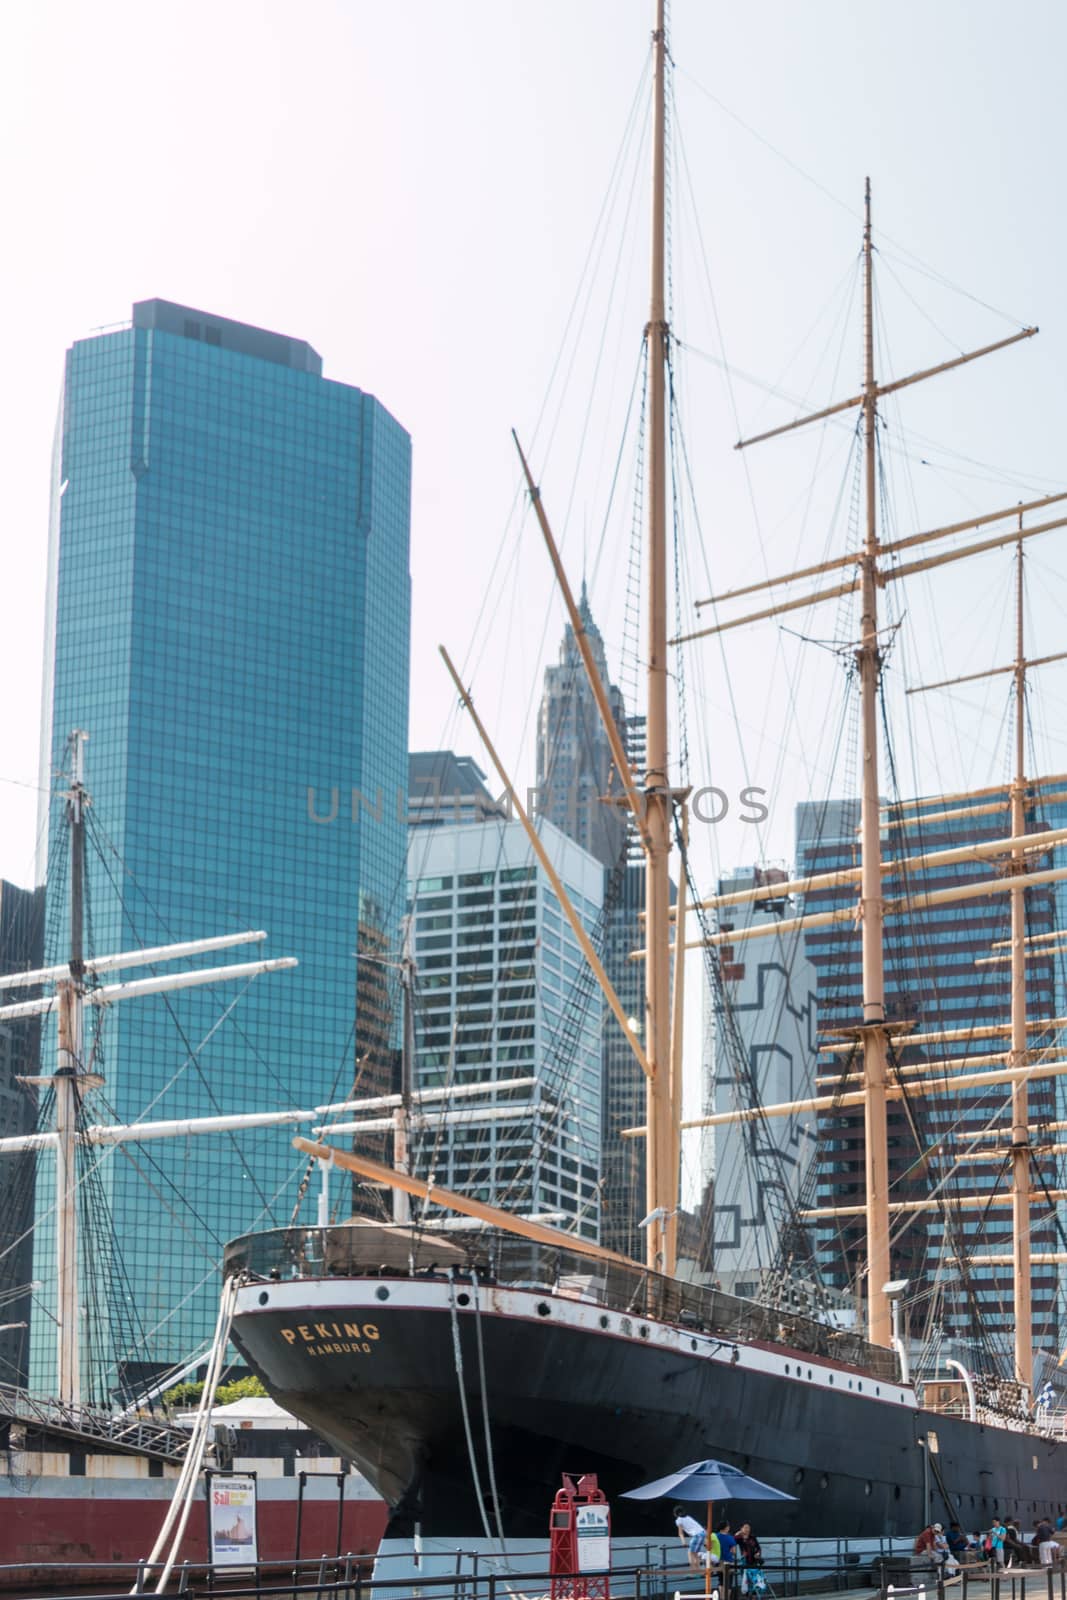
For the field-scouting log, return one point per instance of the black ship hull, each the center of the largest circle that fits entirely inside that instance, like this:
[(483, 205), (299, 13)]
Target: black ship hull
[(378, 1365)]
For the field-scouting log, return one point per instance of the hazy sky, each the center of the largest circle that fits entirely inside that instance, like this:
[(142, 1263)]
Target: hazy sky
[(415, 188)]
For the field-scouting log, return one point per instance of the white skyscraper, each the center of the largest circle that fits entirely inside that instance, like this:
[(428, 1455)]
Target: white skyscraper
[(504, 993)]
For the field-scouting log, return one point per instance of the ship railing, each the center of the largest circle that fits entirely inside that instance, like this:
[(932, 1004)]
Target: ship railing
[(136, 1434), (360, 1249)]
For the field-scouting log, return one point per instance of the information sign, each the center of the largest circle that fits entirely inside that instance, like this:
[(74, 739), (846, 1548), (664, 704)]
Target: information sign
[(594, 1539), (231, 1515)]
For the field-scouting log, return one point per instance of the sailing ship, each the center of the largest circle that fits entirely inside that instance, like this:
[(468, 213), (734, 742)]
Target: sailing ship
[(464, 1371)]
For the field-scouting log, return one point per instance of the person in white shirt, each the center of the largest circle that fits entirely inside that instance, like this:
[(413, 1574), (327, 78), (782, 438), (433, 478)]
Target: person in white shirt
[(691, 1534)]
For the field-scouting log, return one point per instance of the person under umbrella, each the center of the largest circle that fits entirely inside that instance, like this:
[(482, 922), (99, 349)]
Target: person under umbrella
[(708, 1481)]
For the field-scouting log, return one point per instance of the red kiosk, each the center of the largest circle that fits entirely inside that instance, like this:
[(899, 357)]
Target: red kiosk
[(580, 1540)]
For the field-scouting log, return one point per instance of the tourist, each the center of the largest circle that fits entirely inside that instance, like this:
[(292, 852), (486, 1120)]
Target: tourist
[(997, 1535), (727, 1543), (958, 1543), (925, 1547), (692, 1536), (1045, 1539)]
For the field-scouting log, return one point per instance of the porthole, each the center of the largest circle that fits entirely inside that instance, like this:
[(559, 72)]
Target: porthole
[(264, 1297), (605, 1322), (896, 1491), (787, 1369), (643, 1331), (809, 1372), (859, 1386), (464, 1300), (850, 1383), (877, 1390), (692, 1344), (543, 1308), (382, 1292), (831, 1377)]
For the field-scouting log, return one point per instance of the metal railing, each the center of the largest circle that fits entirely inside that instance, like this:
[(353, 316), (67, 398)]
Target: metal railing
[(361, 1250), (663, 1576), (84, 1423), (982, 1580)]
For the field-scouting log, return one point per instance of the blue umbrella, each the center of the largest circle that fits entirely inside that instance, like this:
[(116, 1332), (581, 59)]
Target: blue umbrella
[(707, 1480), (710, 1481)]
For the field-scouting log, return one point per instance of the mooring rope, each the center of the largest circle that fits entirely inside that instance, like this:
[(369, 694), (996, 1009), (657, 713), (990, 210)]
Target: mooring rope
[(185, 1491), (457, 1354), (485, 1412)]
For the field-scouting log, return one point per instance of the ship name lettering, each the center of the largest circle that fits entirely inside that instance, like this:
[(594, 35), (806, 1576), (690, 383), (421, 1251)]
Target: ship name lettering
[(328, 1338)]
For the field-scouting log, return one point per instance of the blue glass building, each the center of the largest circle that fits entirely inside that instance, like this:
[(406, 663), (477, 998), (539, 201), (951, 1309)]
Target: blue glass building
[(229, 612)]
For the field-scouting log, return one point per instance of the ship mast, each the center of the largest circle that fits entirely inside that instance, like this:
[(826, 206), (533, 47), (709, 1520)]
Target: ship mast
[(869, 573), (1020, 1055), (661, 1146), (872, 899), (71, 1081)]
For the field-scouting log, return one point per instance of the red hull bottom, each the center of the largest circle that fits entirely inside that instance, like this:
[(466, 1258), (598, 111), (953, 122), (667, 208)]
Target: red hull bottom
[(108, 1529)]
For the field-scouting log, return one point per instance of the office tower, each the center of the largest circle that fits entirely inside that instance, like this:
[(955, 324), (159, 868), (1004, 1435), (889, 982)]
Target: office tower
[(578, 789), (444, 787), (946, 968), (229, 621), (504, 994), (21, 950), (576, 777), (764, 1046)]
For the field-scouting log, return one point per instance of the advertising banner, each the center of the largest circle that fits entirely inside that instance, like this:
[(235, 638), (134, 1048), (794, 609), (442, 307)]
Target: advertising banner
[(231, 1515)]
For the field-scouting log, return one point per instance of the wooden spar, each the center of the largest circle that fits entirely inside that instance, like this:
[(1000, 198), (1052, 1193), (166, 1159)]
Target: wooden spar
[(618, 754), (970, 811), (884, 576), (1040, 1258), (537, 1232), (983, 1030), (946, 556), (661, 1160), (997, 1133), (553, 876), (893, 908), (771, 611), (913, 539), (1031, 939), (853, 557), (874, 391), (990, 672), (850, 560), (890, 869), (935, 1087), (1004, 1153), (830, 1079), (979, 1201), (973, 794), (1046, 950)]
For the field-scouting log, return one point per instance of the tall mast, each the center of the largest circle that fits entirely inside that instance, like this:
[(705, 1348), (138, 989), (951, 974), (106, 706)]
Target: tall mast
[(661, 1187), (1019, 1057), (70, 1036), (872, 900)]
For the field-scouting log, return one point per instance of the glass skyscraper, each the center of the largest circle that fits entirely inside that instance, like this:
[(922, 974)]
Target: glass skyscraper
[(229, 611)]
